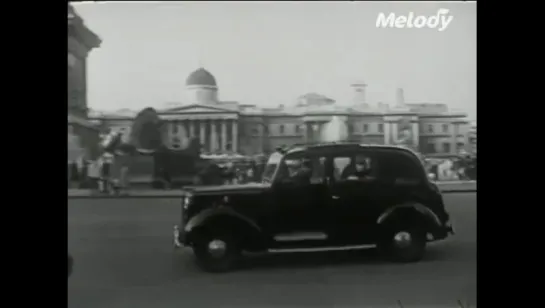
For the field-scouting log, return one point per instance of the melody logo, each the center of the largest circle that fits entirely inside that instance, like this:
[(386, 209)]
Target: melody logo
[(439, 21)]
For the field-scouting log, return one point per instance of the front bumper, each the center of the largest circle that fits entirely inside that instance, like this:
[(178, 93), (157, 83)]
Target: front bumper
[(178, 237)]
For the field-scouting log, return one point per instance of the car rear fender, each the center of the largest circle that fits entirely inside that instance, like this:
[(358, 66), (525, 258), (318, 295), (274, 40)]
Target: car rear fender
[(418, 208)]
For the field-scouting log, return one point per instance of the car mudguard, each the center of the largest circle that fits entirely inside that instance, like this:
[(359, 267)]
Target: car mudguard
[(214, 213), (429, 214)]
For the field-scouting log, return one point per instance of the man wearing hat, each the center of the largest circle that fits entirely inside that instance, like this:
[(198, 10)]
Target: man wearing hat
[(360, 170)]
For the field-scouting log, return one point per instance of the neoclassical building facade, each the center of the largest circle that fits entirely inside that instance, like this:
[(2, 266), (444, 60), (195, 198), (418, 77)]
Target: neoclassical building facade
[(229, 126)]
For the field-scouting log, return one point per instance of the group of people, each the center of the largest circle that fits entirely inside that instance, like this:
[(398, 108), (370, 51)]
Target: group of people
[(106, 177), (229, 173), (100, 174), (459, 168)]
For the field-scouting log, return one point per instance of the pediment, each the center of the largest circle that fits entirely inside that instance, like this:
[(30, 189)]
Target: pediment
[(197, 108)]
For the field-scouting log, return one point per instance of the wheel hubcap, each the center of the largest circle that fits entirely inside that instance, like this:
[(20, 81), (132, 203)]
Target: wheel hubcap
[(217, 248), (403, 239)]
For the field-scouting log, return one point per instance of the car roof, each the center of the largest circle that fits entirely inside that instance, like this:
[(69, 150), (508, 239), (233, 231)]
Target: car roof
[(310, 147)]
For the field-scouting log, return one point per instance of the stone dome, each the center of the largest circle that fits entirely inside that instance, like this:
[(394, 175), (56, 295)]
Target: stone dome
[(201, 77)]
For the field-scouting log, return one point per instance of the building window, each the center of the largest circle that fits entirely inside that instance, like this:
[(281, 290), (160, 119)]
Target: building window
[(365, 127), (430, 148), (281, 129), (445, 128), (254, 131), (296, 128), (381, 128), (430, 128), (446, 147), (460, 146)]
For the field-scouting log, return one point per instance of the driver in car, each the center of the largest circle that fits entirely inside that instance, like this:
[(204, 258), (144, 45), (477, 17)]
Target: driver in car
[(360, 170), (303, 173)]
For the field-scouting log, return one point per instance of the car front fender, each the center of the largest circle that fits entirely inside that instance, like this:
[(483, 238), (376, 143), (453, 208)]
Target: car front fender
[(425, 211), (219, 213)]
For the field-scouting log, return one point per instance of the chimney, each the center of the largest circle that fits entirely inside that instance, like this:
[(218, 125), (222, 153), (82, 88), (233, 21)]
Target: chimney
[(359, 90), (400, 98)]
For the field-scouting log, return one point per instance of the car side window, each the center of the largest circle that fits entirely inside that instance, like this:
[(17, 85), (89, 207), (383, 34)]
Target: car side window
[(340, 163), (310, 168), (318, 169), (398, 167), (354, 166)]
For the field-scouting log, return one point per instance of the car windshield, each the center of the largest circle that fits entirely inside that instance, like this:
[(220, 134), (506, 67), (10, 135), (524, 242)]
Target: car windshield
[(270, 168)]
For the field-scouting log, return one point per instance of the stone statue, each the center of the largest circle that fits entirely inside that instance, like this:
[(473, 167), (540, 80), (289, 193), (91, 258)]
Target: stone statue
[(146, 131)]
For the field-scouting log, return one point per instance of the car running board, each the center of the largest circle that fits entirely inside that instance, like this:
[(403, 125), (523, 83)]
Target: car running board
[(302, 236), (318, 249)]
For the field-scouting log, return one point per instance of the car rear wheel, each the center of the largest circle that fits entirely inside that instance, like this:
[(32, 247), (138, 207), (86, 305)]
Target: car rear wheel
[(216, 252), (403, 244)]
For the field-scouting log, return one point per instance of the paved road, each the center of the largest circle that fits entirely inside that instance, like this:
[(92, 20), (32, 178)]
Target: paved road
[(124, 258)]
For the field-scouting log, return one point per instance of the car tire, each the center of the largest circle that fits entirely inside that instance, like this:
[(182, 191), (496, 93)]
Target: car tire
[(403, 244), (216, 252)]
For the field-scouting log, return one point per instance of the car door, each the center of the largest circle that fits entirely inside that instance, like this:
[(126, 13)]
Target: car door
[(353, 202), (300, 206)]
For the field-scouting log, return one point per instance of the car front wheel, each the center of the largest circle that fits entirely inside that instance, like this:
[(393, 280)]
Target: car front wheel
[(403, 244), (216, 252)]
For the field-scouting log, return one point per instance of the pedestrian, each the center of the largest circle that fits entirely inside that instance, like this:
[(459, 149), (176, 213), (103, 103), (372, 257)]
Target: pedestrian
[(105, 174), (74, 174), (93, 175), (124, 179)]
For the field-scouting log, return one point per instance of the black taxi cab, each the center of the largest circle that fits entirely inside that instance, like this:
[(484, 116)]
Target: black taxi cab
[(317, 197)]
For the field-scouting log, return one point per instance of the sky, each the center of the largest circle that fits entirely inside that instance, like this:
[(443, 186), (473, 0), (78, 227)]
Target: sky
[(270, 53)]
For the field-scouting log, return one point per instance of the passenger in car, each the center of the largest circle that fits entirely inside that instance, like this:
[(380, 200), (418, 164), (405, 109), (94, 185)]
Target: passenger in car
[(303, 173), (358, 169)]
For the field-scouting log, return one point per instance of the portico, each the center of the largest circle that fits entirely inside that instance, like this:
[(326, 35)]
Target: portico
[(216, 128)]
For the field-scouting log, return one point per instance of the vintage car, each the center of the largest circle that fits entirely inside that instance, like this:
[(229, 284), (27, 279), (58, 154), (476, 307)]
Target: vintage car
[(317, 197)]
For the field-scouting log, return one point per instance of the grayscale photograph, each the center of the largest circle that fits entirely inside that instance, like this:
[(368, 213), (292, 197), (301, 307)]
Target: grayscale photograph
[(257, 154)]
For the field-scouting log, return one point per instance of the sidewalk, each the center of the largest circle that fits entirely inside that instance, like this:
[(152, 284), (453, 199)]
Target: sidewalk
[(446, 187)]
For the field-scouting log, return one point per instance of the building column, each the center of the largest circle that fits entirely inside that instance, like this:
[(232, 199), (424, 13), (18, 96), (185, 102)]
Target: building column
[(261, 134), (416, 136), (393, 132), (191, 124), (213, 136), (234, 138), (202, 132), (454, 147), (181, 130), (387, 132), (315, 128), (224, 136)]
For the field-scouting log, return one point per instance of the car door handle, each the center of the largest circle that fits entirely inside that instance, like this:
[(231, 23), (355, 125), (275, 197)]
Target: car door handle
[(335, 197)]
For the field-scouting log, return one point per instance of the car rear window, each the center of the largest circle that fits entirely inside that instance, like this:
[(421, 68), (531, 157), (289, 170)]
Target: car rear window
[(398, 166)]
